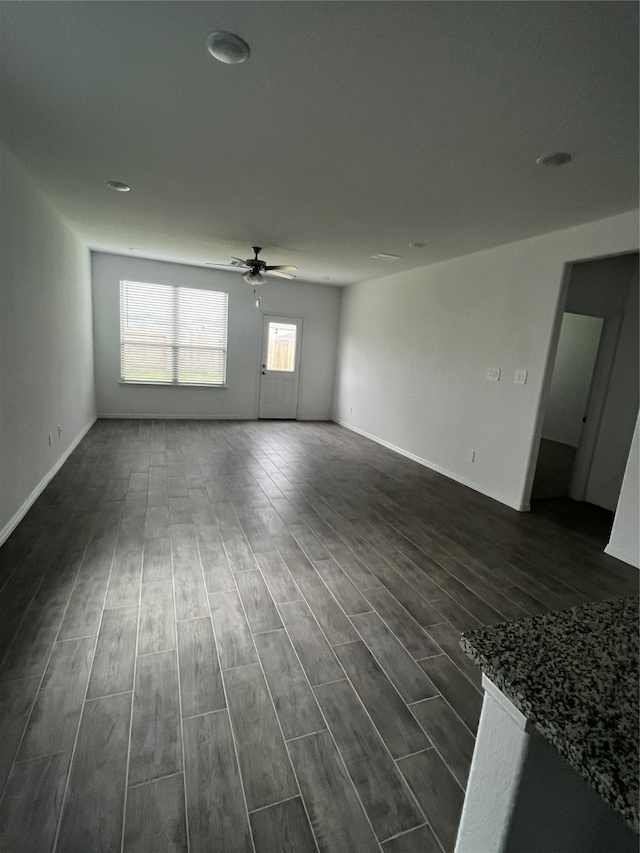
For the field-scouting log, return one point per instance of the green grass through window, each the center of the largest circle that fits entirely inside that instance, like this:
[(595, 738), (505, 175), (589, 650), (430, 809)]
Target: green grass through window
[(140, 375)]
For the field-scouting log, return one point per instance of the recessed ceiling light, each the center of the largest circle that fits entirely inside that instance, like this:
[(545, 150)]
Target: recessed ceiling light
[(134, 249), (558, 158), (418, 245), (119, 186), (383, 256), (228, 47)]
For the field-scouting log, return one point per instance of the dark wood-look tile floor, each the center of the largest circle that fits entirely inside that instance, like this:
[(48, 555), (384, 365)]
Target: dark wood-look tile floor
[(243, 636)]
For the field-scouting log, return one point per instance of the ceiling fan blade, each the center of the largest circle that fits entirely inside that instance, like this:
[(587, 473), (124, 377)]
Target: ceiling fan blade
[(238, 261), (223, 266), (279, 273), (284, 268)]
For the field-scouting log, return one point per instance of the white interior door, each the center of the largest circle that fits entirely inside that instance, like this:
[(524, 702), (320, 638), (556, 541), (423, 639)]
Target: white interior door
[(572, 372), (280, 367)]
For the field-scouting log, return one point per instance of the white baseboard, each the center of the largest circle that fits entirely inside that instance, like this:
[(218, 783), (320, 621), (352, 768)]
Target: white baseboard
[(439, 469), (146, 417), (118, 416), (621, 554), (17, 517)]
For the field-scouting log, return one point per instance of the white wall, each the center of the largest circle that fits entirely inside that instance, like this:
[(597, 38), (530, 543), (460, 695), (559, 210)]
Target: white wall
[(318, 306), (600, 287), (415, 347), (572, 371), (625, 536), (46, 351)]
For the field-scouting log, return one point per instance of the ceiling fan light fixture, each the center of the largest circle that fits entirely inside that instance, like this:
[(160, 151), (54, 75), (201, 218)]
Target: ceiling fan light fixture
[(252, 277), (228, 47)]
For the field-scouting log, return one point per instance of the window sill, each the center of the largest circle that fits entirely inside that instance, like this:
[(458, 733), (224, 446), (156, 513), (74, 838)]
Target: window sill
[(170, 384)]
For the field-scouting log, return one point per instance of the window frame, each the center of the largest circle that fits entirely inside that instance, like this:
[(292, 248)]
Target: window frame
[(174, 347)]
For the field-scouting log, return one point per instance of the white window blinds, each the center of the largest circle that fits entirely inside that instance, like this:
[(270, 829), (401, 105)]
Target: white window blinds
[(172, 335)]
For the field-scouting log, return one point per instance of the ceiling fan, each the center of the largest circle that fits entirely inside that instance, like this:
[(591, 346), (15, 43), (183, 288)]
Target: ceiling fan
[(256, 268)]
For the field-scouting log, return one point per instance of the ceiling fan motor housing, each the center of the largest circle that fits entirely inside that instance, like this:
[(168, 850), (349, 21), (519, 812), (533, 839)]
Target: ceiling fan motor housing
[(256, 267), (257, 263)]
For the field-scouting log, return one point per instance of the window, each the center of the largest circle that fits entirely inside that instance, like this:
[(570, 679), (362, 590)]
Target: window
[(172, 335), (281, 352)]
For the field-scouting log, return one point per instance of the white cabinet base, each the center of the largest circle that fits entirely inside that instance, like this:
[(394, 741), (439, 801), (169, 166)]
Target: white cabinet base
[(523, 797)]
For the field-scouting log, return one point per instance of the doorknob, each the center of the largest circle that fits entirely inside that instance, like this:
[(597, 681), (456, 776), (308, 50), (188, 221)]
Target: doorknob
[(264, 372)]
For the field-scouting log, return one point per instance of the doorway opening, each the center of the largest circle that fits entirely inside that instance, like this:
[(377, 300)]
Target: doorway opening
[(592, 403)]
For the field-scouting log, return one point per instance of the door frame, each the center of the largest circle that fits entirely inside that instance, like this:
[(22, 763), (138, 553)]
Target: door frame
[(280, 315)]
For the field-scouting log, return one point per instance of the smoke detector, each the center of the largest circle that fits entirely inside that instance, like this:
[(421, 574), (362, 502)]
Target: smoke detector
[(558, 158), (228, 47)]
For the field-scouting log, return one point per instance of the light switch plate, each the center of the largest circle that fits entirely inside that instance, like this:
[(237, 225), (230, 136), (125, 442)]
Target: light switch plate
[(493, 374), (520, 377)]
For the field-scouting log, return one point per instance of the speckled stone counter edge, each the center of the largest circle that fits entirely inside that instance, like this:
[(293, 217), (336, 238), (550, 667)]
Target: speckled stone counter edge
[(624, 805)]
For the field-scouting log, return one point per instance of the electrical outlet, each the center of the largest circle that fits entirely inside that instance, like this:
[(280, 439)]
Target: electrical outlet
[(493, 374), (50, 440), (520, 377)]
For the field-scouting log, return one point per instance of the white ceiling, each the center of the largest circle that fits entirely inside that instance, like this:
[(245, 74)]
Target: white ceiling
[(354, 128)]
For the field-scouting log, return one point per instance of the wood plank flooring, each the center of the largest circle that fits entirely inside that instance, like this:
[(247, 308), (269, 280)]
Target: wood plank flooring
[(243, 637)]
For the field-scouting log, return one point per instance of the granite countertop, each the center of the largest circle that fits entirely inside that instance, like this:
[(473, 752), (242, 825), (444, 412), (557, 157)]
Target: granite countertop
[(574, 675)]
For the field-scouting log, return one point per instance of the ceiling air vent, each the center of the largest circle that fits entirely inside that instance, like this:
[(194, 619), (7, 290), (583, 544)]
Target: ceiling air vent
[(382, 256)]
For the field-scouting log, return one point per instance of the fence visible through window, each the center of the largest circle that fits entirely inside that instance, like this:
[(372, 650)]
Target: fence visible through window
[(281, 352), (172, 335)]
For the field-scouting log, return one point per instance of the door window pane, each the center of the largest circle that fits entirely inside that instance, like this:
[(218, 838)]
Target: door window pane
[(281, 350)]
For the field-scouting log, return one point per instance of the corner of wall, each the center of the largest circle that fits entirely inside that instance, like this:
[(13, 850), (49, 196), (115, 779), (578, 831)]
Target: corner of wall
[(17, 517), (46, 371)]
